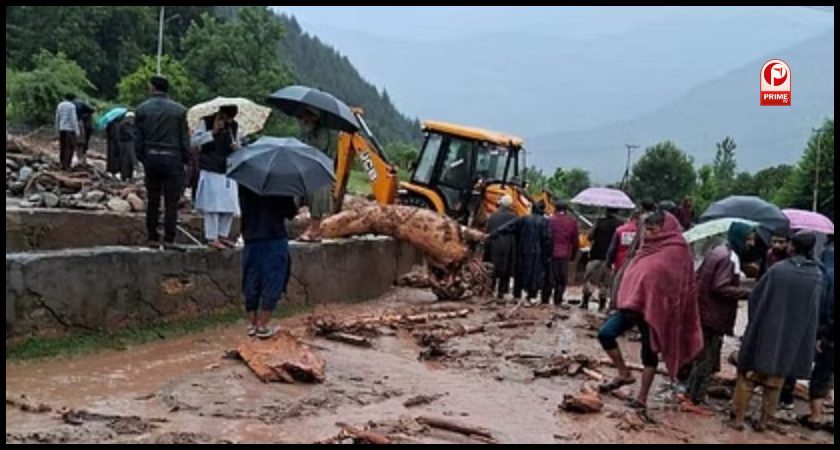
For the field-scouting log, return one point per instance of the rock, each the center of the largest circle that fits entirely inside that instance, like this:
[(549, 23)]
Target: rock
[(25, 173), (137, 203), (35, 199), (50, 200), (17, 187), (27, 204), (12, 164), (94, 196), (118, 205)]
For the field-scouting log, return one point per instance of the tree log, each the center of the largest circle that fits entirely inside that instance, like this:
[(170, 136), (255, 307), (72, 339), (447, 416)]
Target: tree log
[(444, 424)]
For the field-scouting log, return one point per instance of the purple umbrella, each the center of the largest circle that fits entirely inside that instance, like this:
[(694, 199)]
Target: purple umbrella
[(809, 220), (604, 197)]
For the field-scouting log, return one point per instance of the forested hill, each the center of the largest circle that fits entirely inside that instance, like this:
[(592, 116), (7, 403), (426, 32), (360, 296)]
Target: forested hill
[(105, 53)]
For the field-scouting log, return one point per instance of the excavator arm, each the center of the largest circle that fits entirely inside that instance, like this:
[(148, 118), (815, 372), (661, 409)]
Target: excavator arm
[(381, 173)]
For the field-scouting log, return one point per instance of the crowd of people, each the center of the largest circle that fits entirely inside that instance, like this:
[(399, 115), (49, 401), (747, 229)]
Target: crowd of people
[(157, 135), (643, 272)]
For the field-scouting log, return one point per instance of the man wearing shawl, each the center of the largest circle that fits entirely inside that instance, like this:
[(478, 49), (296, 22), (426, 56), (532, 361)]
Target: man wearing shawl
[(781, 335), (719, 290), (657, 294)]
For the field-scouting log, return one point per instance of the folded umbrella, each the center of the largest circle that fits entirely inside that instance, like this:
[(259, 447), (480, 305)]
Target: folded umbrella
[(281, 166)]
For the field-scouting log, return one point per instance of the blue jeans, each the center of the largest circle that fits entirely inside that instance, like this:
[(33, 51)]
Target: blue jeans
[(266, 267), (621, 321)]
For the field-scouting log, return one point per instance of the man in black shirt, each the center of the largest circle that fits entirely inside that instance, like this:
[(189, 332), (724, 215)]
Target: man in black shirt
[(266, 263), (162, 140), (598, 274)]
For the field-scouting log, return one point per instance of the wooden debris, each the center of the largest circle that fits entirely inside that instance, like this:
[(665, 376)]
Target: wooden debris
[(418, 400), (348, 338), (588, 401), (455, 427), (363, 436), (25, 406), (282, 358)]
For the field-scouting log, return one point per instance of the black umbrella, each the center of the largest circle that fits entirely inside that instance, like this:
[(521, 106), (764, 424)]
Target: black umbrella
[(332, 112), (280, 166), (748, 207)]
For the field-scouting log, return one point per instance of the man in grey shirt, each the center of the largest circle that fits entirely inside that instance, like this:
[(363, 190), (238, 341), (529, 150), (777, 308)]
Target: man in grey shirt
[(67, 126)]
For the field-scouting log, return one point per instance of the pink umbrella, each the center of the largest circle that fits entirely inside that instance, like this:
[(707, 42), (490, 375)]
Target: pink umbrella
[(809, 220), (604, 197)]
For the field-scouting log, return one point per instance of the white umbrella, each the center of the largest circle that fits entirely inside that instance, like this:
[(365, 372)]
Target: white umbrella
[(713, 228), (251, 117)]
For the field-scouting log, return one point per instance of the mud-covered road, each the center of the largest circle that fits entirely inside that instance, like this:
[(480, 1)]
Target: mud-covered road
[(187, 390)]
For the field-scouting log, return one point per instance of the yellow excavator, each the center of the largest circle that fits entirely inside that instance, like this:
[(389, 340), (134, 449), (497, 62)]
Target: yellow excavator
[(461, 171)]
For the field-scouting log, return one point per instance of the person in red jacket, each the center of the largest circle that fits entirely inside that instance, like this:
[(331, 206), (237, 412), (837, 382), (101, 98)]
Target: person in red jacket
[(564, 241)]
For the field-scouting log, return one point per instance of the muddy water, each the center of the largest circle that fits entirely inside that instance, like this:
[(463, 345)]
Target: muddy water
[(206, 398)]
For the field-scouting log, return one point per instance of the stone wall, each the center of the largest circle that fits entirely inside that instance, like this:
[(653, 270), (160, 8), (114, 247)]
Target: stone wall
[(59, 291)]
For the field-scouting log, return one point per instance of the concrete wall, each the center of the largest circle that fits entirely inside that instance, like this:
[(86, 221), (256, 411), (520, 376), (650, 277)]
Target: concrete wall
[(51, 229), (54, 292)]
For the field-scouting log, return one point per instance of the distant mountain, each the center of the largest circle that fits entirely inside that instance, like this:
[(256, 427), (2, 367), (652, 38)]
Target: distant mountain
[(538, 80), (728, 105)]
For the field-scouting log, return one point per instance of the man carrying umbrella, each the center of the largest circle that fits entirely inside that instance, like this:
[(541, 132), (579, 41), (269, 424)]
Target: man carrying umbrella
[(321, 201), (270, 172)]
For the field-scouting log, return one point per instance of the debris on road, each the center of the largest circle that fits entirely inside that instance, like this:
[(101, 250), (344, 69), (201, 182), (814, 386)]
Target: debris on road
[(282, 358)]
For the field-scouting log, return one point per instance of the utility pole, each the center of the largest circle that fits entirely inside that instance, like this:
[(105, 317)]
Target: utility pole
[(819, 132), (626, 177), (160, 38)]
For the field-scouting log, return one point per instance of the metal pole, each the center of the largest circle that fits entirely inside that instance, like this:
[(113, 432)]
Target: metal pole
[(160, 39), (625, 178), (817, 170)]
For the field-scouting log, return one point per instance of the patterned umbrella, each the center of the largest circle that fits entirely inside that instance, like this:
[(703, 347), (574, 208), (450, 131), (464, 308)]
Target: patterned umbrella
[(251, 117), (603, 197), (332, 112), (809, 220)]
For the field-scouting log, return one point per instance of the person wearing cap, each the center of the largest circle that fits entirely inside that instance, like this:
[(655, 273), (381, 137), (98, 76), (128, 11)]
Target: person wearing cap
[(162, 142), (781, 336), (564, 248), (501, 249), (127, 156)]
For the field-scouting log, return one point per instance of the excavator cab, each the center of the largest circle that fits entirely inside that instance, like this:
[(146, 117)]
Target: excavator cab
[(463, 172)]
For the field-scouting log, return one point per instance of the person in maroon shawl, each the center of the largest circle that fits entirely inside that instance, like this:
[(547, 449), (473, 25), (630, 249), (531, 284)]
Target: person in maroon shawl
[(657, 294)]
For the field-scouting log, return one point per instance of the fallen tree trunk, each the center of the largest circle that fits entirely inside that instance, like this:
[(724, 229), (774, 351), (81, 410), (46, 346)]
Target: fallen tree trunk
[(455, 271), (368, 325), (443, 240), (454, 427)]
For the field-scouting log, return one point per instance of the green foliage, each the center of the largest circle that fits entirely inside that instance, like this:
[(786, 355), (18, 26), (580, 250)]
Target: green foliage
[(724, 167), (566, 184), (401, 154), (664, 173), (798, 190), (33, 95), (238, 57), (134, 87)]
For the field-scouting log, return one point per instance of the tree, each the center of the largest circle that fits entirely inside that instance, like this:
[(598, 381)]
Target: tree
[(724, 167), (134, 87), (664, 172), (33, 95), (237, 58), (705, 190), (567, 183), (767, 182), (401, 154), (535, 179), (798, 190)]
